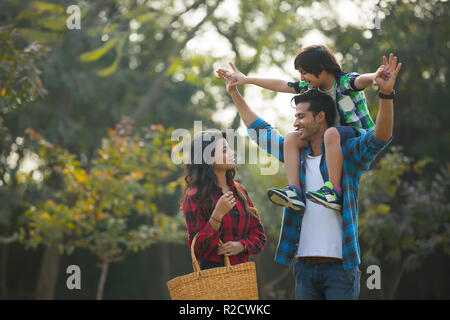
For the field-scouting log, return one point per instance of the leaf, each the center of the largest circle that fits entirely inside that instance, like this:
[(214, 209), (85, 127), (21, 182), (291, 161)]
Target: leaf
[(57, 23), (46, 6), (145, 17), (80, 175), (113, 67), (175, 65), (96, 54), (40, 36), (46, 216), (110, 28)]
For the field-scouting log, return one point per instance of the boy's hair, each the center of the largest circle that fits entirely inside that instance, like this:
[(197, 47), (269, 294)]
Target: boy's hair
[(318, 101), (314, 59)]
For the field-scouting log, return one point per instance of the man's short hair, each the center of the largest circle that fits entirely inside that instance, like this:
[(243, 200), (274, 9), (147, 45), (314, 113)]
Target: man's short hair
[(318, 101)]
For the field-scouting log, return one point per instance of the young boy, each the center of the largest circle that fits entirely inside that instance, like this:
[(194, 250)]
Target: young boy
[(318, 69)]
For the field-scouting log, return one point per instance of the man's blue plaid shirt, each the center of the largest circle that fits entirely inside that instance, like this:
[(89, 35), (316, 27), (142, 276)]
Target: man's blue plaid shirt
[(358, 154)]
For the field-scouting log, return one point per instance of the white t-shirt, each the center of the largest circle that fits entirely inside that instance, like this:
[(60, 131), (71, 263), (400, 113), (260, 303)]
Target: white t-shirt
[(332, 93), (321, 233)]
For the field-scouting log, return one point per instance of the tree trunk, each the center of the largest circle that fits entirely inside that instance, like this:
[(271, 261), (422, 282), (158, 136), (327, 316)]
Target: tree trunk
[(268, 287), (48, 274), (165, 270), (261, 279), (397, 282), (382, 295), (101, 283), (3, 271)]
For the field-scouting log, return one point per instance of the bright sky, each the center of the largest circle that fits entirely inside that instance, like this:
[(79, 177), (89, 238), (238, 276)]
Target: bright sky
[(277, 110)]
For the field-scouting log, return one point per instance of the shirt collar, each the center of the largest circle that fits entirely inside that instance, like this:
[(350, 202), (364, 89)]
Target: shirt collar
[(308, 148)]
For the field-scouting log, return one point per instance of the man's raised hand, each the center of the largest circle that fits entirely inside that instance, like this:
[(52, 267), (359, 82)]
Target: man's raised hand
[(231, 87), (387, 74)]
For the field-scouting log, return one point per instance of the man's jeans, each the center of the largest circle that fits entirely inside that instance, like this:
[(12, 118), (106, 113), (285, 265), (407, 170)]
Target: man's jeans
[(327, 281)]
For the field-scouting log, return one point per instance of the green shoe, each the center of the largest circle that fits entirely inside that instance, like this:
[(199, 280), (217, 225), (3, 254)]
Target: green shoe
[(327, 196)]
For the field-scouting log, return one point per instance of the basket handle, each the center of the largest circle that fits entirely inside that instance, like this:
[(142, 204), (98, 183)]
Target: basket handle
[(194, 259)]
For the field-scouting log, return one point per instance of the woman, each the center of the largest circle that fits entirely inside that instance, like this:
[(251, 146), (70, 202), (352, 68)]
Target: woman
[(216, 207)]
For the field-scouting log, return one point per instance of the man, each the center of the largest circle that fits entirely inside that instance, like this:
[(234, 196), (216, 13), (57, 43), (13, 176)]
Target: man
[(324, 244)]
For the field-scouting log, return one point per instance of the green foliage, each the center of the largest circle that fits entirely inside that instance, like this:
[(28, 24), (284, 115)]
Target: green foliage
[(96, 54), (113, 67), (20, 81), (403, 217), (109, 208), (42, 21)]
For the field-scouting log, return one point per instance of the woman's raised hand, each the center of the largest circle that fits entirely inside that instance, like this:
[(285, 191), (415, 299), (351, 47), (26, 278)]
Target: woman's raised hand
[(225, 204)]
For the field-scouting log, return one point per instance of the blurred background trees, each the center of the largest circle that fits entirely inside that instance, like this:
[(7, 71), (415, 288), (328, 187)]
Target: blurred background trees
[(86, 116)]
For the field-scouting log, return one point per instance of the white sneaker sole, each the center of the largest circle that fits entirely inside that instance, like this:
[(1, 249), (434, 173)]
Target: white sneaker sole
[(333, 206), (280, 199)]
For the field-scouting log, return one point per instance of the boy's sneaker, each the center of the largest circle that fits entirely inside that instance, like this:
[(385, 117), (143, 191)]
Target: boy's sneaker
[(288, 197), (327, 196)]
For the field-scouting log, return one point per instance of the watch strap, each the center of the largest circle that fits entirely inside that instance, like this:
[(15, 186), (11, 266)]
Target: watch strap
[(387, 96)]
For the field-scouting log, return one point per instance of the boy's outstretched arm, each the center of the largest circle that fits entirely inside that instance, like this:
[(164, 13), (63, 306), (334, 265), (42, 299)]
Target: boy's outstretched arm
[(237, 78), (385, 117), (365, 80), (269, 139)]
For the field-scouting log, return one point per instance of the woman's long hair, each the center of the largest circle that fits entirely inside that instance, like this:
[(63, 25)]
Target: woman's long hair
[(199, 174)]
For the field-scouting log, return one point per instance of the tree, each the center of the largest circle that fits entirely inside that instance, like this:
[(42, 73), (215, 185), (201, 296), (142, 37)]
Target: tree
[(404, 218), (110, 208), (20, 83), (122, 72)]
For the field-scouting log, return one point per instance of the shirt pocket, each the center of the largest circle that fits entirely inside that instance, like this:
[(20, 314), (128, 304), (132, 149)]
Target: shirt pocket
[(346, 104)]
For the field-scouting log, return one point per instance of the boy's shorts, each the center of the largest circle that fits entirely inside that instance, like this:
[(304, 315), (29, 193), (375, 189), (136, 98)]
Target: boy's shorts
[(347, 133)]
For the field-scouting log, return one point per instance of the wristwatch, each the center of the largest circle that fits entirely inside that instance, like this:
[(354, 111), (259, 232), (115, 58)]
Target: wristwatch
[(387, 96)]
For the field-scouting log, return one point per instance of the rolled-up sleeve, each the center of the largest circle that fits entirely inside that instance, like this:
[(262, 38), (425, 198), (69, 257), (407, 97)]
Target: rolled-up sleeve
[(362, 150), (347, 81), (267, 138), (299, 86)]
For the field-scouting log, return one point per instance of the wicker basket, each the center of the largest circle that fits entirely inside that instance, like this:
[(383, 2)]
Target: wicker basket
[(236, 282)]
